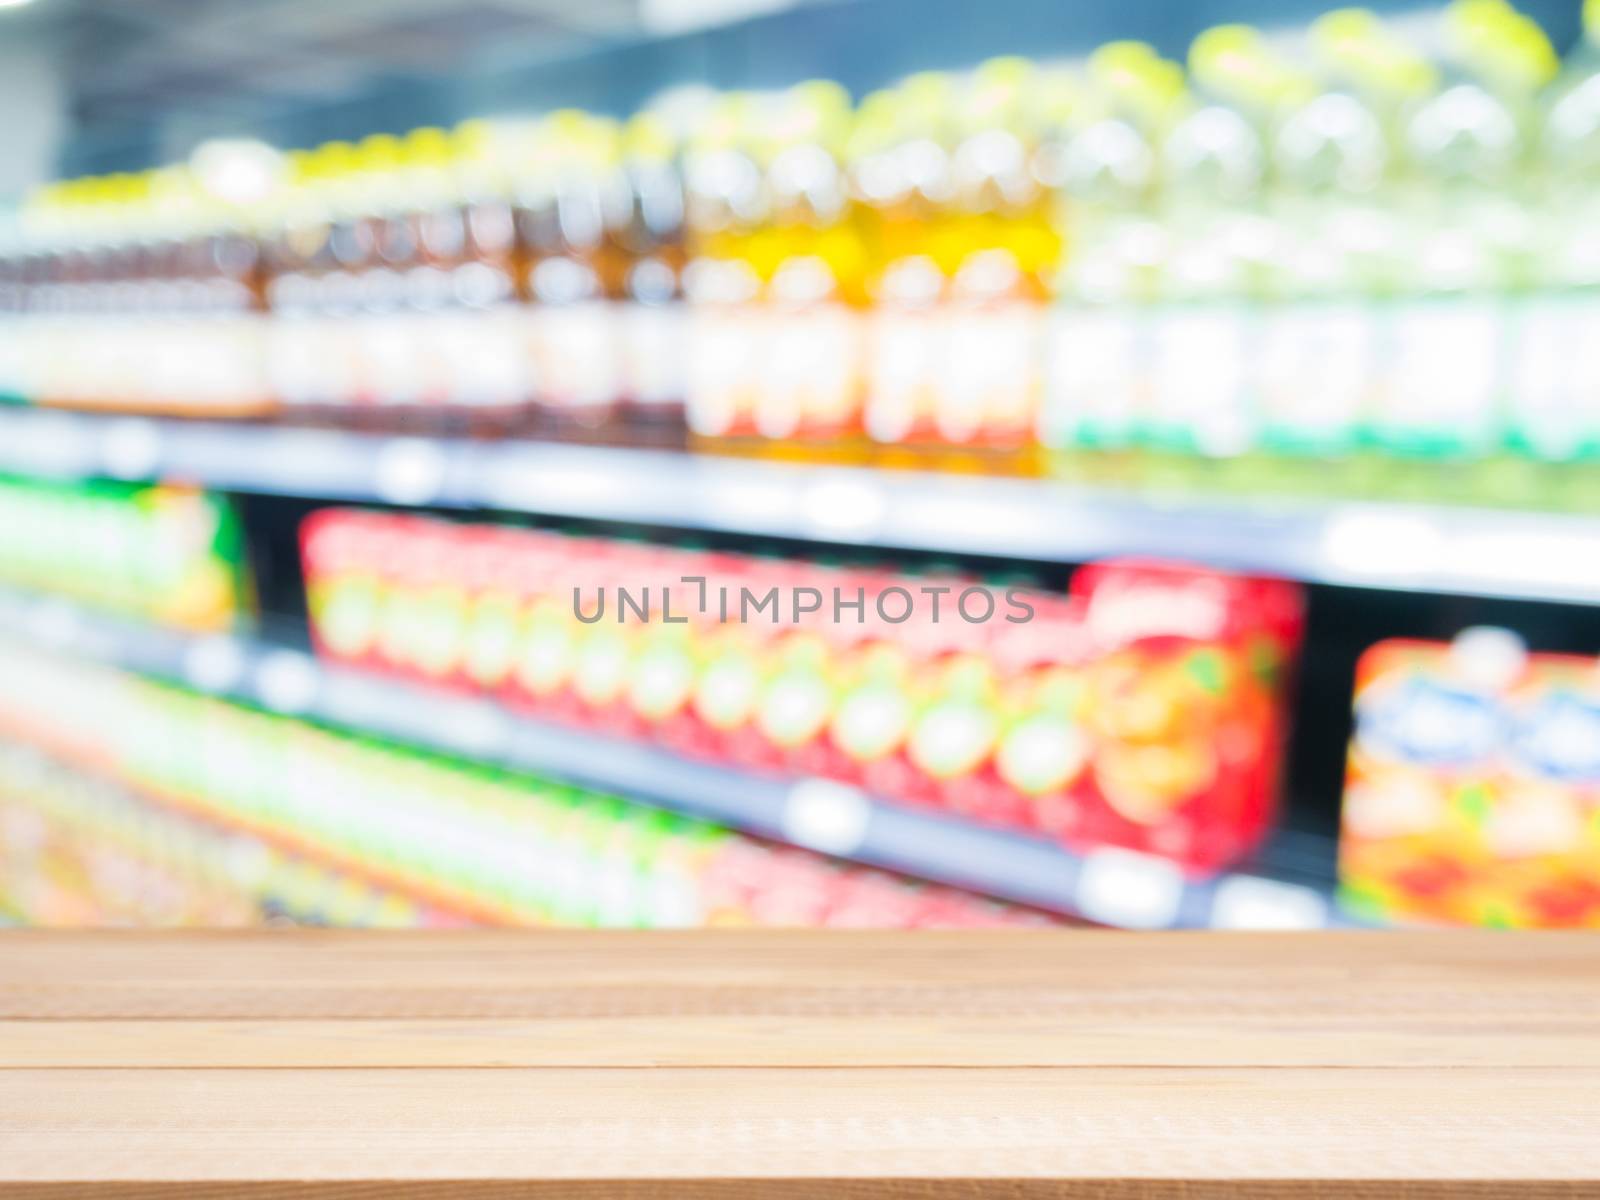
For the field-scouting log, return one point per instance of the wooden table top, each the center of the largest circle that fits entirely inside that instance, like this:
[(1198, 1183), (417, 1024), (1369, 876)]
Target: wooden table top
[(851, 1065)]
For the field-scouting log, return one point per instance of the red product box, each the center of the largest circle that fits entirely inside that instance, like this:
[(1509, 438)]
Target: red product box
[(1185, 708), (1144, 709)]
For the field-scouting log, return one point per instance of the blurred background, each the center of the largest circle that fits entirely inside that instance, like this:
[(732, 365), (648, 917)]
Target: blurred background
[(1251, 350)]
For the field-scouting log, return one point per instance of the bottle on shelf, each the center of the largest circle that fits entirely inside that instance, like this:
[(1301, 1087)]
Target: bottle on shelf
[(1203, 334), (649, 230), (1555, 373), (965, 248), (575, 273), (1464, 239), (1001, 259), (808, 255), (725, 208), (899, 170), (362, 301), (161, 277), (1101, 160), (407, 290), (469, 229), (14, 269), (312, 367), (1332, 158)]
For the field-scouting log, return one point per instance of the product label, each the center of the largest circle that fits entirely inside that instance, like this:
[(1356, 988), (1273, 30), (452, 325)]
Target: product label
[(808, 381), (1198, 374), (484, 355), (989, 385), (1419, 720), (724, 355), (1443, 376), (1315, 369), (576, 354), (1093, 378), (902, 353), (1555, 376), (653, 352)]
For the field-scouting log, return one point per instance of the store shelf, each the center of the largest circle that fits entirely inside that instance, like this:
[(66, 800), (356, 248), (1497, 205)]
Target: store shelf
[(1114, 887), (1537, 556)]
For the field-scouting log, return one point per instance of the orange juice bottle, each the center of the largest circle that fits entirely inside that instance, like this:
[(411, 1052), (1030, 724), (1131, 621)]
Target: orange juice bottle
[(726, 207), (808, 253), (900, 175), (1002, 255)]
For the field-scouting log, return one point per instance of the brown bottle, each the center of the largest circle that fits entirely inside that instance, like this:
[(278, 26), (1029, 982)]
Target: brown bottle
[(649, 232)]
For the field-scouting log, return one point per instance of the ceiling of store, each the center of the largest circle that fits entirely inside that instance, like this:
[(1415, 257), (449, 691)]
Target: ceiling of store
[(137, 61), (146, 80)]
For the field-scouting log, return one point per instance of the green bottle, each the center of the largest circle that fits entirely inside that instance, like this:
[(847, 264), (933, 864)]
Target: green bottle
[(1203, 332), (1330, 157), (1443, 396), (1103, 165), (1555, 373)]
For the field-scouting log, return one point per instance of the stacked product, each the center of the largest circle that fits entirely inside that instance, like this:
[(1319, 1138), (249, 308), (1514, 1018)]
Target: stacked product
[(1340, 248), (464, 279), (80, 851), (134, 292), (1355, 254), (1473, 794), (1143, 710), (483, 276), (166, 554), (246, 813)]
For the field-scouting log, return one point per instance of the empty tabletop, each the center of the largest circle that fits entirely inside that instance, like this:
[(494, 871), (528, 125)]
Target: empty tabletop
[(789, 1064)]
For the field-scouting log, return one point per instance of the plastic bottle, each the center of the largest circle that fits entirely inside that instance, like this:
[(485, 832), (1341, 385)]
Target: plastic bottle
[(1204, 332), (1555, 374), (314, 358), (575, 275), (650, 232), (726, 206), (809, 256), (1000, 250), (1101, 160), (469, 230), (900, 175), (1330, 159), (1448, 350)]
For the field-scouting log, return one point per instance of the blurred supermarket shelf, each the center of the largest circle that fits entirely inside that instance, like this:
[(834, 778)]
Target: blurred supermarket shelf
[(1474, 551), (1292, 887)]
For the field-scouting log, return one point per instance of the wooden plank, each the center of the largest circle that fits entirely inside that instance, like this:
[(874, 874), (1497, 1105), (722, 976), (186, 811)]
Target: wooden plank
[(317, 975), (754, 1123), (842, 1188), (735, 1064), (738, 1038)]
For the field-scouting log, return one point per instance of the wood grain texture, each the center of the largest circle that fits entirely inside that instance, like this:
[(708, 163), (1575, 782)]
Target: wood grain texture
[(850, 1065)]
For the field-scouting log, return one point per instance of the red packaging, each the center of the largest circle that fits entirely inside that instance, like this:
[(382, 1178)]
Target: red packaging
[(1184, 701), (1142, 710)]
